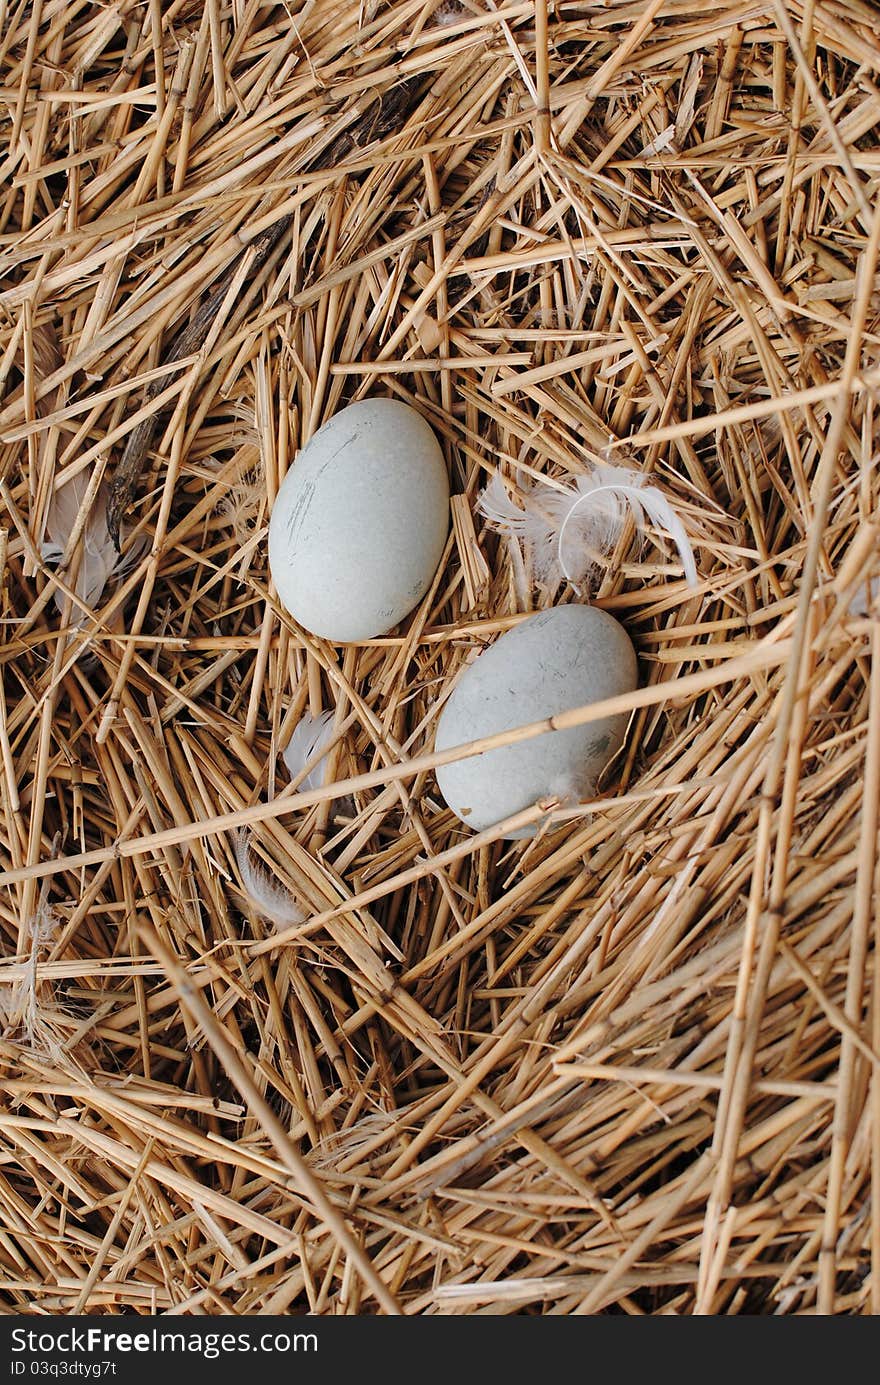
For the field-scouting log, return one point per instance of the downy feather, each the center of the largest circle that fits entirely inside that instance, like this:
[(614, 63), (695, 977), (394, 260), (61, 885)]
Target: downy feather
[(569, 532), (28, 1012), (269, 899), (865, 597), (311, 737), (99, 562)]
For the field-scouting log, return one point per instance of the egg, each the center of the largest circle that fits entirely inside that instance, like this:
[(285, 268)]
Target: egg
[(360, 522), (563, 658)]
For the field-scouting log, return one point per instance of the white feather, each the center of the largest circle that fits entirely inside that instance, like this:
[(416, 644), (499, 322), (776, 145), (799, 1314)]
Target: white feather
[(570, 532), (271, 900), (450, 12), (28, 1013), (99, 562), (311, 737), (865, 597)]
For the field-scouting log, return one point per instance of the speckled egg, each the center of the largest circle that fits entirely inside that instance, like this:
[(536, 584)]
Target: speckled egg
[(360, 522), (560, 659)]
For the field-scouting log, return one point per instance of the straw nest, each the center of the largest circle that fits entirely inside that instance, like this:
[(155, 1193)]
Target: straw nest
[(627, 1066)]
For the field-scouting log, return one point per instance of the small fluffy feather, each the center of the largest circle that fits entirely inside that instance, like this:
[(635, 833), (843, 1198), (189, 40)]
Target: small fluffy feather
[(311, 737), (269, 899), (450, 12), (28, 1013), (570, 532), (241, 507), (99, 562), (865, 597)]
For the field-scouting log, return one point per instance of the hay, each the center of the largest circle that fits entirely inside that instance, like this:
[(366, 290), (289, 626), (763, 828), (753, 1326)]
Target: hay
[(630, 1065)]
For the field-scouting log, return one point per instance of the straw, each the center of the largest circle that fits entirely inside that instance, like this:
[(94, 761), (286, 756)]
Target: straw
[(630, 1064)]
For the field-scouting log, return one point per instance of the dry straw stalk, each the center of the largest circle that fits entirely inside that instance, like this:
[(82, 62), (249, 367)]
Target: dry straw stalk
[(630, 1065)]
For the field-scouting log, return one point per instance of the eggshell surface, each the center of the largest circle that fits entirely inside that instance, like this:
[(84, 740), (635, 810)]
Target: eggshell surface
[(559, 659), (360, 521)]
